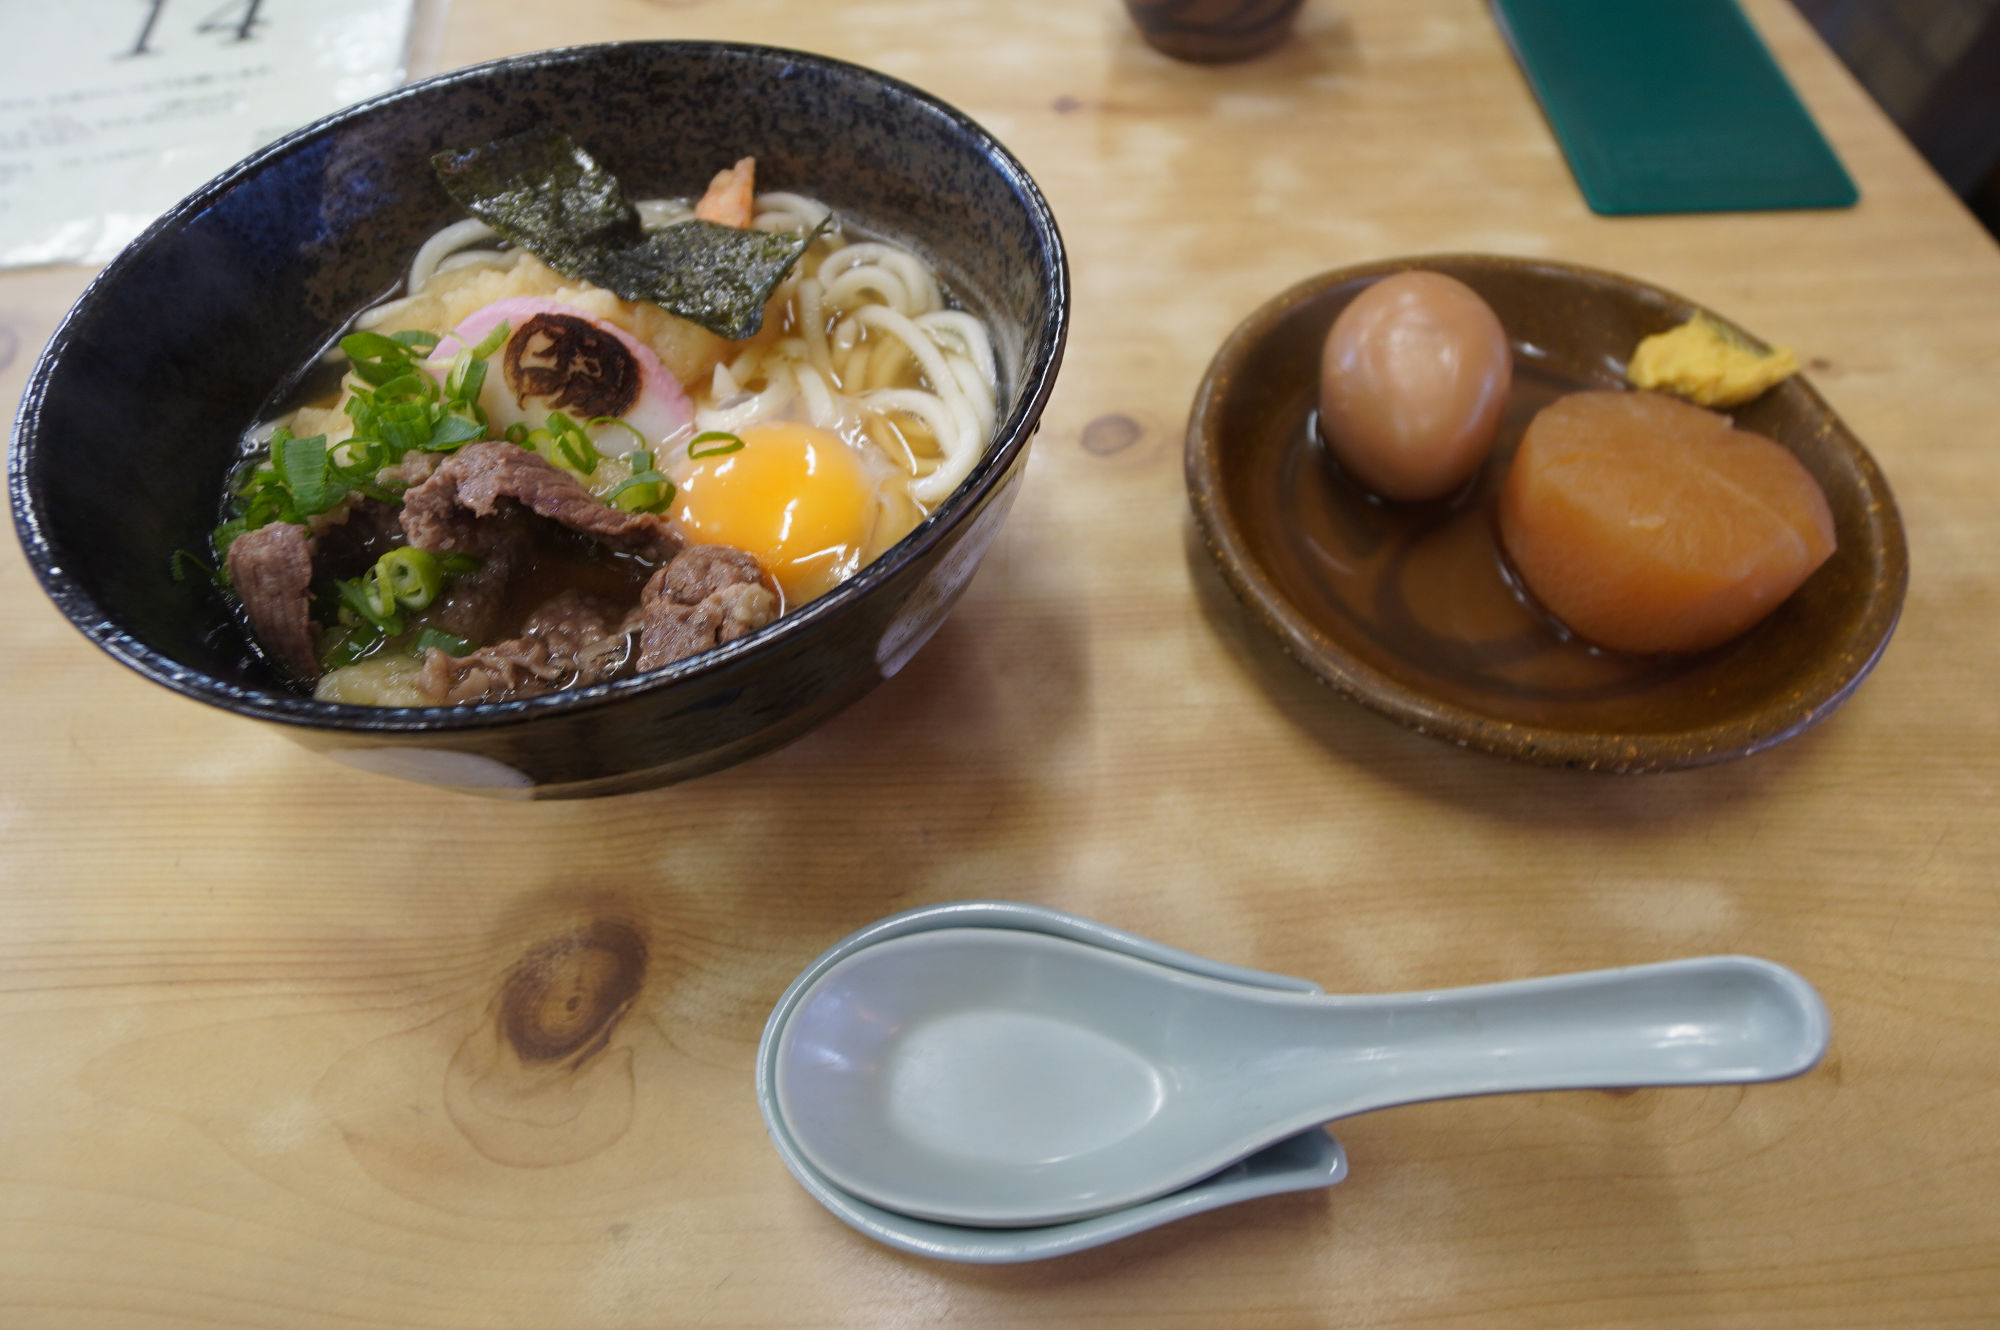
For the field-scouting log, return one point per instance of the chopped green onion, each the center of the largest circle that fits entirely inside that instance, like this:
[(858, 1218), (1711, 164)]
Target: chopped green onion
[(465, 378), (453, 432), (377, 359), (411, 577), (381, 596), (647, 490), (595, 421), (396, 406), (303, 467), (573, 448), (405, 425), (449, 643), (517, 434), (367, 599), (351, 645), (223, 537), (412, 386), (371, 607), (719, 443), (182, 560), (373, 346), (493, 341)]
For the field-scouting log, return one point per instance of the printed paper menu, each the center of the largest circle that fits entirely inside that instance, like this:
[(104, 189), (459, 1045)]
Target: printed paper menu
[(114, 110)]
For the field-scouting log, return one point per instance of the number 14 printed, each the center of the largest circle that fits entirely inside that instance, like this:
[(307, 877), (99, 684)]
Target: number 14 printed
[(237, 18)]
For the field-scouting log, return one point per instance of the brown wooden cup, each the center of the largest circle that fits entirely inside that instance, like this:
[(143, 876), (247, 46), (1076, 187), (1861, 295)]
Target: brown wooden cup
[(1212, 31)]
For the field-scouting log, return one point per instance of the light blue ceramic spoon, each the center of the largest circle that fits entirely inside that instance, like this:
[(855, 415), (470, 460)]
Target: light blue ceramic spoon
[(994, 1077), (1312, 1159)]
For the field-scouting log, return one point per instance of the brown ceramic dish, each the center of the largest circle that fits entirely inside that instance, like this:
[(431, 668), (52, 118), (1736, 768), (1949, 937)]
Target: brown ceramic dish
[(1409, 610)]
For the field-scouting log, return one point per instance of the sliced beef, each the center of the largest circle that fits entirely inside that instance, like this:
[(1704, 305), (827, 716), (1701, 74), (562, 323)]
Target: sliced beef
[(746, 607), (359, 530), (699, 571), (532, 528), (708, 595), (271, 570), (475, 605), (414, 469), (670, 631), (273, 567), (576, 640), (573, 641), (473, 481)]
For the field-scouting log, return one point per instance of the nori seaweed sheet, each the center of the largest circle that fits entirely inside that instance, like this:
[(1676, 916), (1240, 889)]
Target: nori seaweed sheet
[(543, 192)]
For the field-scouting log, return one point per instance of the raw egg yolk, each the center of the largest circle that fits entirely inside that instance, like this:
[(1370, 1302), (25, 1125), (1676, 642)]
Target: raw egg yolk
[(794, 495)]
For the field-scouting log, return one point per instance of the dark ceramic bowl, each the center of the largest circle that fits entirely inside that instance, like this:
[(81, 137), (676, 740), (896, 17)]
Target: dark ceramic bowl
[(132, 418), (1409, 608)]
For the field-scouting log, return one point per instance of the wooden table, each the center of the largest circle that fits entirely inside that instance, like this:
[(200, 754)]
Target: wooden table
[(246, 995)]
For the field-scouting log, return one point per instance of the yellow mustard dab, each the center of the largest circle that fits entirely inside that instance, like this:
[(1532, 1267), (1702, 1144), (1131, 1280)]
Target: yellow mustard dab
[(1706, 364)]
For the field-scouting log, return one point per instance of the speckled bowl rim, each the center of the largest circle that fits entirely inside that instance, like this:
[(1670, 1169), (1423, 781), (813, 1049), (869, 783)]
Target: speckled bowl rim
[(1322, 653), (1038, 376)]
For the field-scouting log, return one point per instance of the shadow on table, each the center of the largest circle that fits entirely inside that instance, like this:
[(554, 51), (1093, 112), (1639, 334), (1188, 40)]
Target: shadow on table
[(930, 788), (1449, 1205), (548, 1000)]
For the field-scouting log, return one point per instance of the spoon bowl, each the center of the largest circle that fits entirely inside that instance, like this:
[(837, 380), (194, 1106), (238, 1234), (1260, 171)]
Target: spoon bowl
[(978, 1076), (1309, 1161)]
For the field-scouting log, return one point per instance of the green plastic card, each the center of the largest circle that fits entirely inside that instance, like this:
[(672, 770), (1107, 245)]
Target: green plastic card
[(1671, 106)]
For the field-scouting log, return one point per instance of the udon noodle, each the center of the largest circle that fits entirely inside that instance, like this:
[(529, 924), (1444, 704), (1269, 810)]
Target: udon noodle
[(866, 343)]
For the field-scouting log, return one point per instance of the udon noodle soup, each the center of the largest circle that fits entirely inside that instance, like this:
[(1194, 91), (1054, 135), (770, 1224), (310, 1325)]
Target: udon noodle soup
[(526, 483)]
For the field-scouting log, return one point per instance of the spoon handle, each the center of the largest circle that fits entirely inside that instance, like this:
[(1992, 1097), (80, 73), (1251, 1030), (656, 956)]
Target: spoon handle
[(1707, 1021)]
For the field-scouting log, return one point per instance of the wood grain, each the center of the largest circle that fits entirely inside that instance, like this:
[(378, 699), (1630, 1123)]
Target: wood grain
[(290, 1046)]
